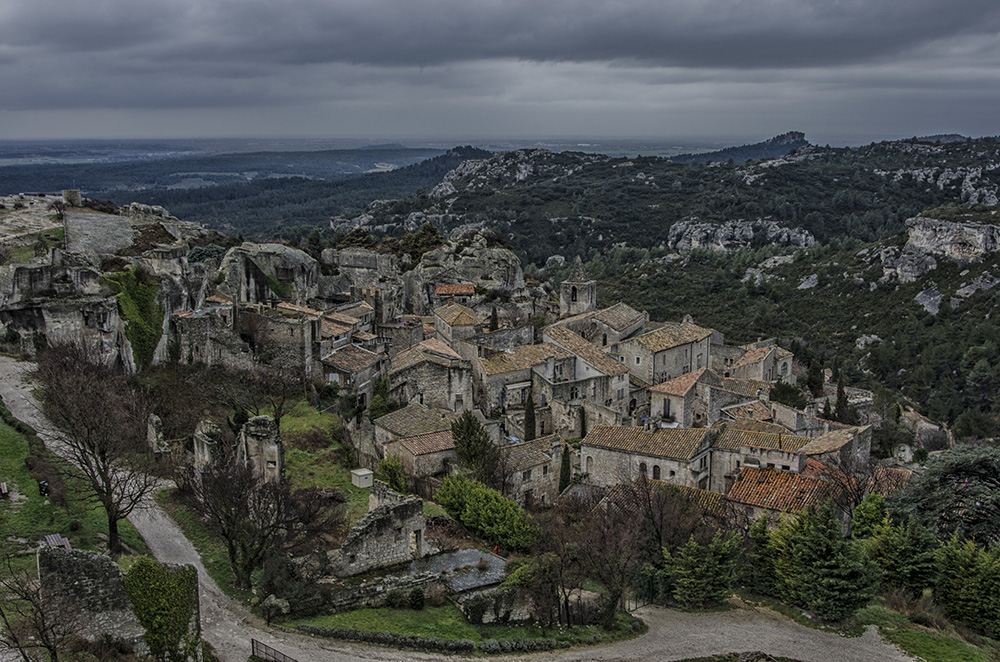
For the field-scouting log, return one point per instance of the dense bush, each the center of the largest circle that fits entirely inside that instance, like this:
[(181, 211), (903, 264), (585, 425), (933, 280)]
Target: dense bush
[(433, 644), (486, 512)]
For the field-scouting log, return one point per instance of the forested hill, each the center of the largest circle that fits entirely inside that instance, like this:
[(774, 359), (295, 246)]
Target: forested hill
[(769, 149), (573, 203), (291, 207)]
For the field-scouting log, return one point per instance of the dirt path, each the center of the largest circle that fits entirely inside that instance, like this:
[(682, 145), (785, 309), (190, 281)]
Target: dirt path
[(672, 635)]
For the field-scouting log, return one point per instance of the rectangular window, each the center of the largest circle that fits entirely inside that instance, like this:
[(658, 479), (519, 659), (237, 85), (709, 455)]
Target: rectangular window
[(545, 470), (526, 475), (637, 360)]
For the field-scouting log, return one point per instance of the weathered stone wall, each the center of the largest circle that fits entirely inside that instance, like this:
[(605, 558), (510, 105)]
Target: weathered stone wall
[(88, 587), (435, 385), (391, 532), (260, 445)]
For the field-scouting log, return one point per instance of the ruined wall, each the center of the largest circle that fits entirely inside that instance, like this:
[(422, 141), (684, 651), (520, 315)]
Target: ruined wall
[(88, 587), (391, 532), (260, 445)]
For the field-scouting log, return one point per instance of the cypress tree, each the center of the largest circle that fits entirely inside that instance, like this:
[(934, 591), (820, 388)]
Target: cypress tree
[(494, 319), (529, 418), (565, 471), (841, 411)]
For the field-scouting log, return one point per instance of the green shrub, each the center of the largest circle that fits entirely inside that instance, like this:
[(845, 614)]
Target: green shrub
[(417, 598), (164, 599), (486, 512), (136, 291)]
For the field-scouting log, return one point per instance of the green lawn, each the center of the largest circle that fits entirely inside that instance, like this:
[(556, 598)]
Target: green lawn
[(930, 645), (82, 521), (447, 622)]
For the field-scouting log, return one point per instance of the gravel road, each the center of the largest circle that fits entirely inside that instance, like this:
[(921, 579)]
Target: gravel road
[(673, 635)]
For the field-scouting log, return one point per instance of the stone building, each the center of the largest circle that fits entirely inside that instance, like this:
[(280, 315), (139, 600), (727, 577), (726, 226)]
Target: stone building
[(578, 293), (454, 322), (607, 327), (669, 351), (612, 454), (735, 448), (505, 379), (425, 455), (356, 369), (699, 399), (763, 361), (410, 421), (431, 373), (534, 470), (391, 532)]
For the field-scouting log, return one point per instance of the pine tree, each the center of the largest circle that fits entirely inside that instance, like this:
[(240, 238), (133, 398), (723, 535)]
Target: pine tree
[(842, 411), (476, 452), (702, 575), (529, 418), (836, 576), (758, 571), (565, 471), (494, 320)]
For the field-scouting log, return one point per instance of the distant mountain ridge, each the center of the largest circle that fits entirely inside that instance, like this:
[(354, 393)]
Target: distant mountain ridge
[(768, 149)]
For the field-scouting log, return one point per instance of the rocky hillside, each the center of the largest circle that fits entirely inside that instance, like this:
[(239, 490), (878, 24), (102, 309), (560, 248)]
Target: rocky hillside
[(574, 203)]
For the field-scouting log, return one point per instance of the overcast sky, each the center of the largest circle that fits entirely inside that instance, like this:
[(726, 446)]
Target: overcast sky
[(494, 68)]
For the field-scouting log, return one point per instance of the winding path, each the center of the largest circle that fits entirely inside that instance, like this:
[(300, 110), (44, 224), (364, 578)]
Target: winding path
[(673, 635)]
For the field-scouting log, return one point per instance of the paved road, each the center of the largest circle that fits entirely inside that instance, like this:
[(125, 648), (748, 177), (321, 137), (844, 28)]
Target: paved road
[(673, 635)]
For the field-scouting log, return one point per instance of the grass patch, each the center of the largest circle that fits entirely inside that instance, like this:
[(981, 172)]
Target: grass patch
[(82, 521), (928, 644), (322, 469), (303, 417), (448, 623), (431, 509), (211, 550)]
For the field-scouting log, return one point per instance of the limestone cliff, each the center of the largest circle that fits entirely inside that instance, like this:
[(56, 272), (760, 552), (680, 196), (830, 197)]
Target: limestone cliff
[(732, 235)]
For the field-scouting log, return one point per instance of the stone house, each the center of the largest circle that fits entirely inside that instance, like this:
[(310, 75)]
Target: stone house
[(734, 449), (453, 322), (425, 455), (391, 532), (259, 444), (596, 377), (609, 326), (751, 410), (453, 293), (410, 421), (841, 448), (763, 361), (534, 470), (401, 333), (504, 379), (578, 293), (613, 454), (431, 373), (683, 400), (361, 311), (669, 351), (356, 369), (768, 492)]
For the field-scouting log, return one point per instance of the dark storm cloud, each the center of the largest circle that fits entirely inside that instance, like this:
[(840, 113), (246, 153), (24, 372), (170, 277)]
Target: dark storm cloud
[(610, 65)]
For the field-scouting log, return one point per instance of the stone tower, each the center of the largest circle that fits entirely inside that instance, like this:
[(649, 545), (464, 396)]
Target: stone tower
[(578, 293)]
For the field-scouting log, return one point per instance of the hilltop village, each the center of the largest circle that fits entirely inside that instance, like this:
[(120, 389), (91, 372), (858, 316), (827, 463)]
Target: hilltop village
[(581, 398)]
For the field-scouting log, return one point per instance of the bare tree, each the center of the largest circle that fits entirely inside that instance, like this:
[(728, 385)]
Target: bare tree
[(669, 514), (256, 518), (268, 388), (31, 627), (103, 415)]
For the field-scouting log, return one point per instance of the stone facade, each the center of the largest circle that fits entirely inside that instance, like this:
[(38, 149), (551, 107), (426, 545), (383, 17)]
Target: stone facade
[(667, 352), (206, 445), (578, 293), (391, 532)]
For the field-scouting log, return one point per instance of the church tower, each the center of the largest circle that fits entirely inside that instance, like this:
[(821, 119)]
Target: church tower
[(578, 293)]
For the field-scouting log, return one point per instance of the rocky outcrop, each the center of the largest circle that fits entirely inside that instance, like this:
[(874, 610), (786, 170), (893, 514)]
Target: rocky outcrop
[(961, 242), (464, 261), (257, 273), (732, 235)]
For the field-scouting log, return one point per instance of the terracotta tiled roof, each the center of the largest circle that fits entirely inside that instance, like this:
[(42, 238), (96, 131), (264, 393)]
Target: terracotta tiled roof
[(671, 335), (521, 358), (747, 387), (732, 439), (572, 342), (454, 290), (455, 314), (430, 442), (619, 316), (286, 307), (753, 356), (431, 349), (780, 490), (676, 443), (342, 318), (752, 426), (358, 308), (332, 329), (217, 298), (528, 454), (416, 419), (680, 385), (754, 410), (833, 440), (351, 359)]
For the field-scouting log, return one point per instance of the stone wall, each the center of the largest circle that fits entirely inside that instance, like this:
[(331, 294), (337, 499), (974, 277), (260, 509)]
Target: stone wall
[(88, 588), (391, 532), (260, 445)]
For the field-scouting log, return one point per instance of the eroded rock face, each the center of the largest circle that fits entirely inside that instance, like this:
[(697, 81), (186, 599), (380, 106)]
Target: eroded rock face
[(732, 235), (260, 272), (962, 242)]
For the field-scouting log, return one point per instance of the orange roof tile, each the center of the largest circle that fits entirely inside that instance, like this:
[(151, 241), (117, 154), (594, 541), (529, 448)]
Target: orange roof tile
[(455, 314), (430, 442), (521, 358), (671, 335), (681, 385), (732, 439), (780, 490), (352, 359)]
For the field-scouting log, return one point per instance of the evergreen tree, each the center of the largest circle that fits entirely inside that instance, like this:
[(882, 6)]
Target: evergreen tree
[(378, 408), (814, 378), (494, 320), (827, 411), (869, 514), (842, 411), (967, 581), (392, 472), (836, 576), (476, 452), (702, 575), (758, 571), (565, 471), (529, 418)]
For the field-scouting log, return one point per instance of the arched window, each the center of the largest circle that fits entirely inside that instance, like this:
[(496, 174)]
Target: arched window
[(605, 339), (590, 464), (656, 472), (642, 469), (572, 293)]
